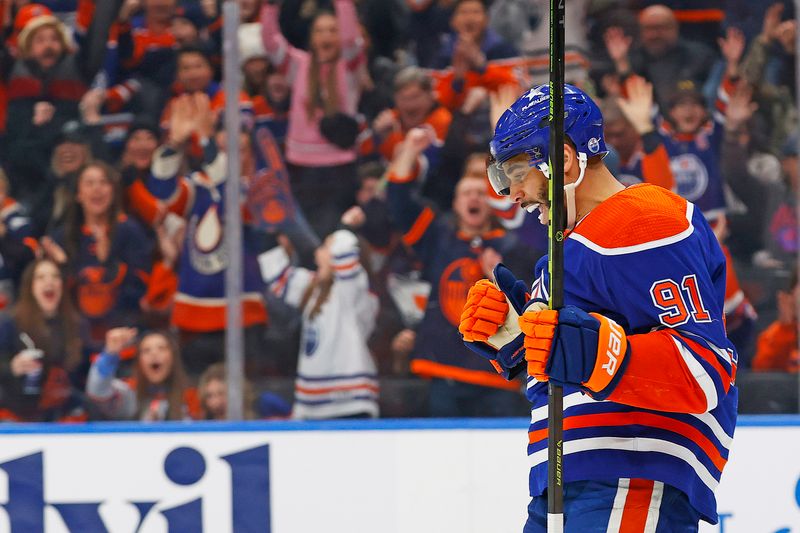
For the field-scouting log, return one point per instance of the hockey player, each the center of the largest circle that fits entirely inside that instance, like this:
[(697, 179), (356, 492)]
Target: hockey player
[(640, 346)]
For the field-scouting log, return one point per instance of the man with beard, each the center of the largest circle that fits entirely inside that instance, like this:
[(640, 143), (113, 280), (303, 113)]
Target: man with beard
[(454, 255), (46, 84)]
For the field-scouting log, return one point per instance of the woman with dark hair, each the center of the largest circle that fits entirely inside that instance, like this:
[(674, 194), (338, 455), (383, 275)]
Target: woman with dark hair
[(40, 349), (106, 254), (320, 143), (159, 387)]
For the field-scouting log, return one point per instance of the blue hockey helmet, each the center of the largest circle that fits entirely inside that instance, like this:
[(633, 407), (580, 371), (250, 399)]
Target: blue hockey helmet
[(524, 128)]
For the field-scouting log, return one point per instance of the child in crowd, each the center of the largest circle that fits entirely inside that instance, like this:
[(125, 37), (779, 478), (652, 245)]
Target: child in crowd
[(159, 388), (213, 393), (336, 375)]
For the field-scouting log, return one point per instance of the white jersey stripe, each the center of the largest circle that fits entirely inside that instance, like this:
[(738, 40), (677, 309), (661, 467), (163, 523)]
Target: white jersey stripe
[(570, 400), (633, 444), (324, 382), (715, 427), (700, 375), (615, 520), (654, 510)]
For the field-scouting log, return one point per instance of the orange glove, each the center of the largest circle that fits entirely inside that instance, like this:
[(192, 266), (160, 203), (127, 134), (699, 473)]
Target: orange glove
[(484, 312), (539, 328), (575, 347)]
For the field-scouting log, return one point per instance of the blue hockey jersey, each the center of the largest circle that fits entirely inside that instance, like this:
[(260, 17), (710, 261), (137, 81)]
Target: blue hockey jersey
[(200, 303), (451, 265), (647, 259)]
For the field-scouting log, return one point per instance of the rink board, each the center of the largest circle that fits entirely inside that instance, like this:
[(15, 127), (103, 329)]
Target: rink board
[(436, 476)]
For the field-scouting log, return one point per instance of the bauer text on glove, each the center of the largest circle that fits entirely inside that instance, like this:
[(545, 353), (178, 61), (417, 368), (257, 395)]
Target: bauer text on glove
[(571, 346)]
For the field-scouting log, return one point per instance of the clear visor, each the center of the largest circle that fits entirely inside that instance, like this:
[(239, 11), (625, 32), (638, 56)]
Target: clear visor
[(503, 175)]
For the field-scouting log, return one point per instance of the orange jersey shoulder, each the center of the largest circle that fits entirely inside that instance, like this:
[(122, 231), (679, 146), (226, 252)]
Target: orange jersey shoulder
[(639, 216)]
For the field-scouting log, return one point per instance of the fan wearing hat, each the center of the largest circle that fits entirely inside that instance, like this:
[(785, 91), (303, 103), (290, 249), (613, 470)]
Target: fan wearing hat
[(42, 37), (267, 86), (45, 86)]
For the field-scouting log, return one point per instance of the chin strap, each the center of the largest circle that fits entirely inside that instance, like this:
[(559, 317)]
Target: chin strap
[(569, 190)]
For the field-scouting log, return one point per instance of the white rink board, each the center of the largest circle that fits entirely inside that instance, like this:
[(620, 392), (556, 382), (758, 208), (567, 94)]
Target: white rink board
[(432, 476)]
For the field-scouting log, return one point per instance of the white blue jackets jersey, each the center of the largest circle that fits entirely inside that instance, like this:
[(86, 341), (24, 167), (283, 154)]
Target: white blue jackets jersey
[(647, 259)]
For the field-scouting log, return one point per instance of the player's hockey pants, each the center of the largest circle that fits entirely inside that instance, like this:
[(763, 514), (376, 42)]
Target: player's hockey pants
[(624, 506)]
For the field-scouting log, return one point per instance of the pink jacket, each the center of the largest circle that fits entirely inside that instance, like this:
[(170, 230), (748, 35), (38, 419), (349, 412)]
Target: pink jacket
[(305, 145)]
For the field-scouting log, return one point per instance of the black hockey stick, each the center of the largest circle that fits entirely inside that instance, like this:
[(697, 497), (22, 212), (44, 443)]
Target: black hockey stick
[(555, 400)]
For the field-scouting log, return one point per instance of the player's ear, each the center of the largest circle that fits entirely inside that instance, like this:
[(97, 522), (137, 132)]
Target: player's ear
[(570, 160)]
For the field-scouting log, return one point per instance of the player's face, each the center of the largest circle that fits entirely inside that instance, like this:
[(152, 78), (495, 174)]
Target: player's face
[(528, 186)]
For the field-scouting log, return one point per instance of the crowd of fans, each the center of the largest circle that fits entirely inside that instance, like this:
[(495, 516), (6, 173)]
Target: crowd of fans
[(367, 213)]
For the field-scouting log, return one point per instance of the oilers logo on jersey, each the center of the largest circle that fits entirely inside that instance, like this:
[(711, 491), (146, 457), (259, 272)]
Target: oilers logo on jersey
[(691, 176)]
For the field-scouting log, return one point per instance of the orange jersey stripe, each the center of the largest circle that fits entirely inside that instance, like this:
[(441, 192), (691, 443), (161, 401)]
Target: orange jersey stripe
[(699, 15), (395, 178), (304, 390), (346, 266), (642, 419), (637, 505), (203, 319), (656, 169), (418, 229), (431, 369)]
